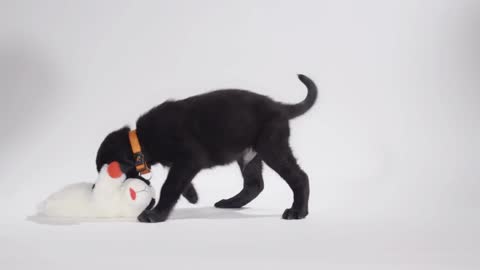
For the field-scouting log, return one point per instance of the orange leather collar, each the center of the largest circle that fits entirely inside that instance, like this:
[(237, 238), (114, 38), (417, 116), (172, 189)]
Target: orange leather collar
[(139, 158)]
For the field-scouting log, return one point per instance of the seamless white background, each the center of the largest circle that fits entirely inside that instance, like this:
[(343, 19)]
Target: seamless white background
[(391, 147)]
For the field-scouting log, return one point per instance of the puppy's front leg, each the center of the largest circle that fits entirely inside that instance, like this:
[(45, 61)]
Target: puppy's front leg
[(178, 179)]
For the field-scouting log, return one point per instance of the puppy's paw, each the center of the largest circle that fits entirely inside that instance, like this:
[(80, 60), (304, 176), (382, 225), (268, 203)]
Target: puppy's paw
[(152, 216), (291, 213), (151, 204), (191, 194), (227, 204)]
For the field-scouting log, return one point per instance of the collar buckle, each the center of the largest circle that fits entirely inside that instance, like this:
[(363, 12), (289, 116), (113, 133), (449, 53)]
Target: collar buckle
[(140, 163), (139, 158)]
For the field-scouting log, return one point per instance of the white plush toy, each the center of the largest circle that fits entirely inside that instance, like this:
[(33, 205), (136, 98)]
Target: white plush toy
[(112, 196)]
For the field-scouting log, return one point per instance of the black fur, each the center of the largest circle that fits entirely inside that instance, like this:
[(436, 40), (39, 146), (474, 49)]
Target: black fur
[(215, 129)]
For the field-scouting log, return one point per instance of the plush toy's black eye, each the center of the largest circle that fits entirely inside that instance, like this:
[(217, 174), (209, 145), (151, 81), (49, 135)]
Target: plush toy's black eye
[(93, 186)]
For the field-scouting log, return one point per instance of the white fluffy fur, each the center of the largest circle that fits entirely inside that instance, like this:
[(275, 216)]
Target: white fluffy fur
[(110, 198)]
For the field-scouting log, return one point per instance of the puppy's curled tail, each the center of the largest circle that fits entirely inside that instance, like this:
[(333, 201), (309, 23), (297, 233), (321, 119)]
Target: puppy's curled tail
[(295, 110)]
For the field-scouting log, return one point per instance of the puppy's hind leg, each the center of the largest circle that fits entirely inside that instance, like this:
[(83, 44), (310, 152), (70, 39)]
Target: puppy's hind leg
[(252, 182), (274, 149)]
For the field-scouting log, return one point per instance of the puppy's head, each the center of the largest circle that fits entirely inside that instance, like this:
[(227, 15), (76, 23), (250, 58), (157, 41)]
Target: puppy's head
[(116, 147)]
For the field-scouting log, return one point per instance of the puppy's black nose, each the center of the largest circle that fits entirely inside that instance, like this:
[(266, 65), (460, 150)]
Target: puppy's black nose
[(125, 168)]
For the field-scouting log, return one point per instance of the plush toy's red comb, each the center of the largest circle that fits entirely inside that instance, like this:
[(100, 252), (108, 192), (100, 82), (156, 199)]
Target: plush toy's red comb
[(114, 170)]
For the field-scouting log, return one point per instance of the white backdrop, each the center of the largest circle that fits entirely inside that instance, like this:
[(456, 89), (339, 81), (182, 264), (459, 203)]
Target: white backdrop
[(392, 140)]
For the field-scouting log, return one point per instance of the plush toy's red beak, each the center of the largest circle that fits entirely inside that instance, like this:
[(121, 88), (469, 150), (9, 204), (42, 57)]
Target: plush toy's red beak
[(114, 170), (133, 194)]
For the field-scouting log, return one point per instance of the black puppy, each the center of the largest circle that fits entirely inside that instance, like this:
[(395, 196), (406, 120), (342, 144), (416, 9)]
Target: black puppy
[(213, 129)]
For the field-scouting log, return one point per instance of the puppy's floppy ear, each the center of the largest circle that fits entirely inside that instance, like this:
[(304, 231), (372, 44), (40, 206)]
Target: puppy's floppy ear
[(115, 147)]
